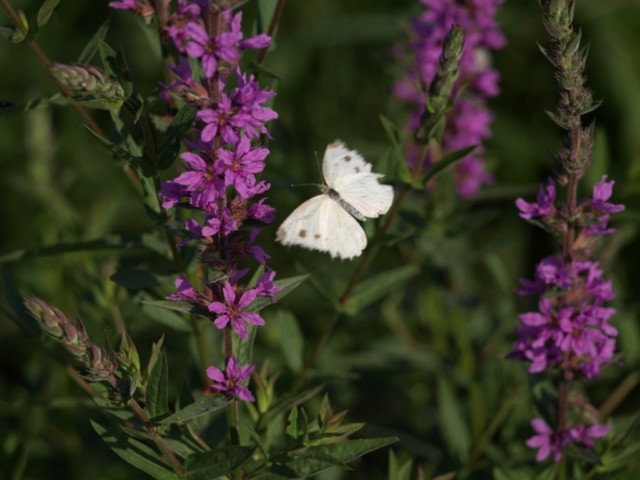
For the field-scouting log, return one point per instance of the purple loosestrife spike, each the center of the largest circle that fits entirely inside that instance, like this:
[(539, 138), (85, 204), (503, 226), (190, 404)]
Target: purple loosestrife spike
[(229, 381), (467, 119), (219, 181), (570, 335)]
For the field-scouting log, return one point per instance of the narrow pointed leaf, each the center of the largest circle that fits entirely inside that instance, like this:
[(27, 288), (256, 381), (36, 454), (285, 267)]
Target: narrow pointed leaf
[(307, 463), (170, 145), (110, 242), (218, 462), (45, 12), (288, 285), (91, 48), (376, 287), (292, 342), (202, 406), (446, 163), (158, 388), (452, 420), (135, 452)]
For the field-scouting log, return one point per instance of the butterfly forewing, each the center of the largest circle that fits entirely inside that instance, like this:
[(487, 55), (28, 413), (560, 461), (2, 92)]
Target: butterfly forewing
[(339, 162)]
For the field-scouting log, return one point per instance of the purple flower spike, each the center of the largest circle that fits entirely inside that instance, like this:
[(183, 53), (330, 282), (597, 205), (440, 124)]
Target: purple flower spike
[(231, 311), (229, 381)]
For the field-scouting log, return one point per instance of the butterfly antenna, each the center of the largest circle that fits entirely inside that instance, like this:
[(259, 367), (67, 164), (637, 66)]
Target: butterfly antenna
[(315, 152)]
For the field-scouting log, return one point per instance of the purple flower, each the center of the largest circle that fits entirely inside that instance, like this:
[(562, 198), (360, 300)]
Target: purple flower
[(224, 47), (547, 441), (199, 182), (544, 205), (231, 311), (266, 287), (185, 292), (550, 273), (240, 163), (262, 212), (229, 381)]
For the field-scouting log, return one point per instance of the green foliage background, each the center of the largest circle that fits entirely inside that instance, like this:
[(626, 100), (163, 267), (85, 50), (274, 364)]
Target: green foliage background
[(427, 363)]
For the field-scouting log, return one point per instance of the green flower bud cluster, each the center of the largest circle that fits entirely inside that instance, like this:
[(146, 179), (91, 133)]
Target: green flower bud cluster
[(569, 59), (89, 85)]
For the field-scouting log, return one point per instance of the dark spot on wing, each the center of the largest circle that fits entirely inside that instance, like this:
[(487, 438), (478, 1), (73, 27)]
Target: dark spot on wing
[(281, 234), (357, 169), (316, 236), (347, 158), (302, 233)]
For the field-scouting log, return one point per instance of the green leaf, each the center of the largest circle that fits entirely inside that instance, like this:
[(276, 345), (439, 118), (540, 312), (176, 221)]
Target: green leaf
[(116, 150), (291, 339), (170, 145), (109, 59), (135, 453), (218, 462), (376, 287), (404, 174), (451, 420), (397, 471), (266, 10), (157, 395), (287, 285), (110, 242), (91, 48), (313, 460), (45, 12), (619, 460), (135, 278), (202, 406), (510, 474), (172, 318), (447, 162), (288, 402)]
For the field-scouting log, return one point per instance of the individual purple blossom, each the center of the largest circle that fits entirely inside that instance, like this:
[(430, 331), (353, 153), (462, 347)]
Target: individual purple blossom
[(231, 311), (241, 163), (231, 379), (544, 204), (547, 441), (226, 46), (199, 182), (185, 292)]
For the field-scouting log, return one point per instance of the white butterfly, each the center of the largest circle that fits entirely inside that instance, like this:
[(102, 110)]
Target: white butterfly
[(327, 222)]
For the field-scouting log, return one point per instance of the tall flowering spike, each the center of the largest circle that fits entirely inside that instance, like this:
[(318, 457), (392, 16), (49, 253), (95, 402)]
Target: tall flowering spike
[(468, 119), (569, 334), (219, 173)]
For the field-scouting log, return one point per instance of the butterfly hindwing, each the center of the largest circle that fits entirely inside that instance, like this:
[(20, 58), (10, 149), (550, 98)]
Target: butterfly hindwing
[(321, 224)]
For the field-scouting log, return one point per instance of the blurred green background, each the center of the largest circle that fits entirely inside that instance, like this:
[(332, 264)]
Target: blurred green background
[(428, 363)]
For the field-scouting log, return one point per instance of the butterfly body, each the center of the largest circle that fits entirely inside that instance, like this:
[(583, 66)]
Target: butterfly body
[(327, 222)]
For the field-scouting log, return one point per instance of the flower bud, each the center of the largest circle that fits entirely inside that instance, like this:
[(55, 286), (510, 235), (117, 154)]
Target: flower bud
[(89, 85)]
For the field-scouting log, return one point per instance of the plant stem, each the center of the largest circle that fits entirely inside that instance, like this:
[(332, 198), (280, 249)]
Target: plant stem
[(162, 445), (360, 271), (83, 112), (272, 28)]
